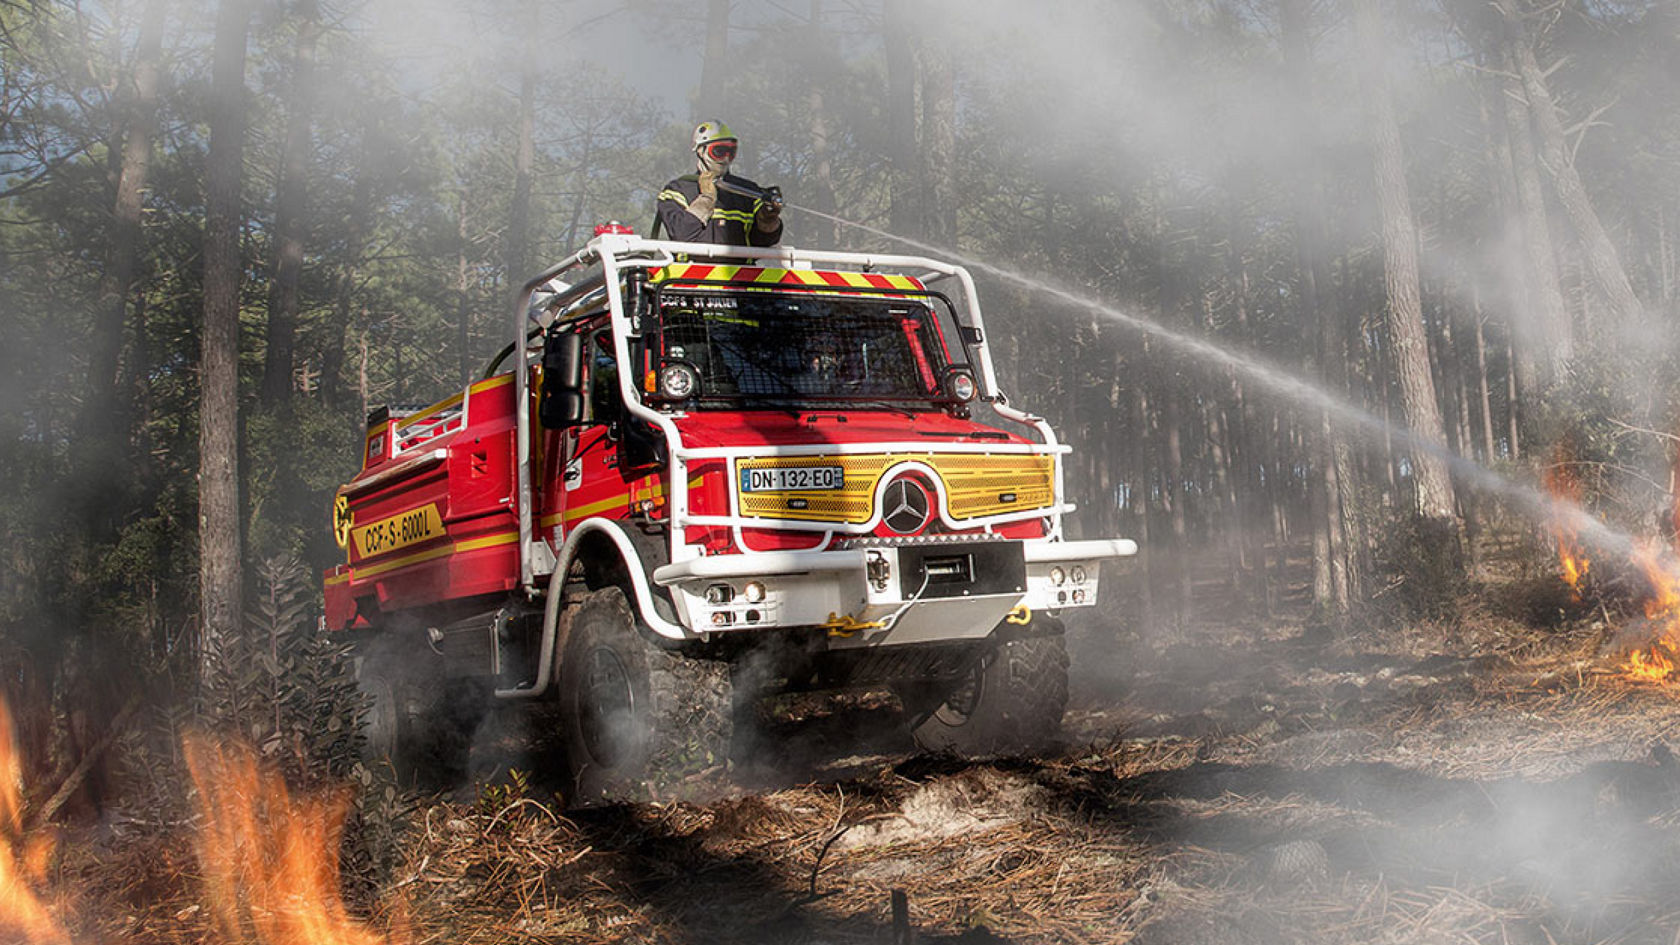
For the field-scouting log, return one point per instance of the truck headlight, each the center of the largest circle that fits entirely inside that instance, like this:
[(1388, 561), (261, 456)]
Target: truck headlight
[(960, 386), (678, 381)]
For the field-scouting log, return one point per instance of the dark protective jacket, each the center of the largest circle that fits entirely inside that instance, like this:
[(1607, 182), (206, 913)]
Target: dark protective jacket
[(731, 223)]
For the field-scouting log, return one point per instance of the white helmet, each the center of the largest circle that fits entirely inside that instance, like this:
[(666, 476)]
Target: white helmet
[(715, 146)]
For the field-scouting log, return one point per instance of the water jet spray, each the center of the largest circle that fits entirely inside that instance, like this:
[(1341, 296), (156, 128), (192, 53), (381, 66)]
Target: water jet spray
[(1290, 387)]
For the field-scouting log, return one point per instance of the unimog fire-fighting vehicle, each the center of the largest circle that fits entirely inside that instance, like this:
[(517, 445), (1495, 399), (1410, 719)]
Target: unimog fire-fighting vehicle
[(701, 474)]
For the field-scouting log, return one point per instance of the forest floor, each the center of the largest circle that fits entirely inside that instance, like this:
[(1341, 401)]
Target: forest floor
[(1235, 780)]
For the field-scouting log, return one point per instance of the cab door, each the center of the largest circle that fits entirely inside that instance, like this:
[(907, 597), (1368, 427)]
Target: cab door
[(590, 481)]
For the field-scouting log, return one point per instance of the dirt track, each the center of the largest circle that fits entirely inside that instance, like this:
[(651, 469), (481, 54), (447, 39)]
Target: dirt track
[(1485, 782), (1492, 784)]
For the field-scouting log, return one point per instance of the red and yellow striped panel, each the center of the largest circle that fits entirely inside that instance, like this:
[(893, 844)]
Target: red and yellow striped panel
[(807, 278)]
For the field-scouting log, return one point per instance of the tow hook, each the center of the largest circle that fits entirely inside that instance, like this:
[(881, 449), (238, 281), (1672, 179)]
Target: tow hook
[(878, 570)]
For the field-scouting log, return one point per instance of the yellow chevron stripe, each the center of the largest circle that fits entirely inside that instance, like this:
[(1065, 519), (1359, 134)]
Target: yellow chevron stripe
[(805, 277)]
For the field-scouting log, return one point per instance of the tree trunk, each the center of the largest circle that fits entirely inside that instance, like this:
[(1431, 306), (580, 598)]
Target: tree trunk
[(1215, 420), (1665, 259), (939, 144), (518, 250), (1142, 466), (1512, 417), (290, 211), (1280, 492), (1483, 395), (358, 226), (1385, 391), (1338, 342), (1602, 259), (100, 416), (220, 548), (713, 101), (904, 214), (1172, 448), (585, 164), (1400, 256), (1540, 295), (1248, 495), (1330, 459), (822, 168)]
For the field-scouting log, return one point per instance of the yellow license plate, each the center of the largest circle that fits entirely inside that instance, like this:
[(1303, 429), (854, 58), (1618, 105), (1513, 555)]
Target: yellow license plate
[(399, 531)]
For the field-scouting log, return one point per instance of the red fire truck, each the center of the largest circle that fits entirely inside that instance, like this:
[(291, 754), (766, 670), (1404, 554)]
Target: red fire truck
[(698, 475)]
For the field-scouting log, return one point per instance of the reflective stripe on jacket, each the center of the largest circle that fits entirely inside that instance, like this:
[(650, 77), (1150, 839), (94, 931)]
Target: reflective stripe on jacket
[(731, 222)]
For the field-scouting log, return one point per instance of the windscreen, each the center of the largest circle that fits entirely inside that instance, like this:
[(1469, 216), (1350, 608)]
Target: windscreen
[(756, 348)]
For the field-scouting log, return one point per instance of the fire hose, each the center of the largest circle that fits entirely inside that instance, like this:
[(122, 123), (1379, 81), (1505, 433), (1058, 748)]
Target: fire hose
[(771, 195)]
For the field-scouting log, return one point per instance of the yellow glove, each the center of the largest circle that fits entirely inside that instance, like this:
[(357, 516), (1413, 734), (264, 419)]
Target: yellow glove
[(701, 206)]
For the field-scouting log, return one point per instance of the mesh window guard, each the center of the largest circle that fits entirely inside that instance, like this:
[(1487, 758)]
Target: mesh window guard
[(784, 348)]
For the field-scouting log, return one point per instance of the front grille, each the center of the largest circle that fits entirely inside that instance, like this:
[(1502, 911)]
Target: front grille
[(975, 486)]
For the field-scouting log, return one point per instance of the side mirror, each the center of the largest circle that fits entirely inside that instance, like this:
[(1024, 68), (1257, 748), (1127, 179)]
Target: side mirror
[(560, 404)]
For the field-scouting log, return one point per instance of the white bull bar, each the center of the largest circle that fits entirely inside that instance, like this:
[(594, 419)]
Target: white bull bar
[(863, 596)]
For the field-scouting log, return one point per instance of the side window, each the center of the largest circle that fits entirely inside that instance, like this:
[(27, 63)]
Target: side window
[(605, 404)]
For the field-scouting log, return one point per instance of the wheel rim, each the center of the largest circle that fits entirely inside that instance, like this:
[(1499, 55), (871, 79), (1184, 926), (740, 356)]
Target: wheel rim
[(606, 707), (961, 704), (380, 727)]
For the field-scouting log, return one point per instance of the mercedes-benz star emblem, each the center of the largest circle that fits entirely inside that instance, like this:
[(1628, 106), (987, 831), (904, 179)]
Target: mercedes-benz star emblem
[(905, 505)]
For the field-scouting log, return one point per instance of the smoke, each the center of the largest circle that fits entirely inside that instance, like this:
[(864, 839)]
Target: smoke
[(1191, 103), (432, 41)]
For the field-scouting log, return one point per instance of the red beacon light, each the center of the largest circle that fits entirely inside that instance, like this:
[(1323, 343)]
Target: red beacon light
[(613, 228)]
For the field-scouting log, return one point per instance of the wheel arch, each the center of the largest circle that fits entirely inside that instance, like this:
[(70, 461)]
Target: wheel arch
[(610, 557)]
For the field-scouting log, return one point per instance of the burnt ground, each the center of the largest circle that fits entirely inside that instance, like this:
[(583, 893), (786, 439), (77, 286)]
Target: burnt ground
[(1222, 783)]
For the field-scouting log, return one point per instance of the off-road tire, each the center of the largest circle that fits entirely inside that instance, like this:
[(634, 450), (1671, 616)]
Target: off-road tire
[(639, 721), (419, 724), (1011, 702)]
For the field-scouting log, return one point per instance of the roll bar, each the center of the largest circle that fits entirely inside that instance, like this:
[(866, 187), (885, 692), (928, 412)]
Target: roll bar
[(614, 253)]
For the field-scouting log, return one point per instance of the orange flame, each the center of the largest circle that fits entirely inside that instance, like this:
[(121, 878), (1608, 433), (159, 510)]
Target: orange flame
[(1664, 574), (270, 860), (1561, 482), (1663, 608), (1649, 665), (22, 860), (1656, 661)]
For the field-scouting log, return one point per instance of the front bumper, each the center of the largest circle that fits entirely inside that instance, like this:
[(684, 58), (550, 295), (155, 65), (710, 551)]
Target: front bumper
[(891, 594)]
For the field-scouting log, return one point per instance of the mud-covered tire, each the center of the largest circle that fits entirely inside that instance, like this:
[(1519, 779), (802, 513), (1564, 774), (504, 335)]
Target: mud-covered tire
[(639, 721), (1010, 702), (419, 723)]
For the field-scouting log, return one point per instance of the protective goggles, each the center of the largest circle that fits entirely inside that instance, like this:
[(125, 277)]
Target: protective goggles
[(720, 151)]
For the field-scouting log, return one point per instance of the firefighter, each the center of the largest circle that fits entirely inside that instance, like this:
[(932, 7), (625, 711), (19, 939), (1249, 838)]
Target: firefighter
[(694, 208)]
